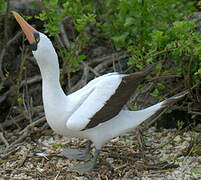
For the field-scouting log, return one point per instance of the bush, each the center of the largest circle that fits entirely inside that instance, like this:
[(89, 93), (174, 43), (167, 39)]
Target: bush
[(149, 30)]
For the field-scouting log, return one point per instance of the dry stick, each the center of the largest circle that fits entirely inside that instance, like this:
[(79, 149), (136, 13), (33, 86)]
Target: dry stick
[(20, 139), (99, 60), (59, 41), (157, 75), (83, 79), (57, 175), (3, 139), (42, 119), (192, 112), (24, 55), (15, 145), (85, 73), (140, 140), (147, 91), (159, 78), (94, 71), (188, 79), (144, 90), (113, 63), (28, 106), (6, 22), (105, 61), (102, 65), (118, 56), (26, 109), (26, 131), (198, 96), (5, 153), (20, 117), (32, 80), (64, 36), (15, 38), (4, 96), (22, 159), (25, 92)]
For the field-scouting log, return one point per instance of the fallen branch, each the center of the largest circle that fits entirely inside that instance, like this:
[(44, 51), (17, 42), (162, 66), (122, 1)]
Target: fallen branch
[(3, 139), (25, 130)]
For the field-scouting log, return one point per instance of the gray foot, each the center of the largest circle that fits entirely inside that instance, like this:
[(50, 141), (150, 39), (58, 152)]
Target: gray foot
[(75, 154), (82, 168)]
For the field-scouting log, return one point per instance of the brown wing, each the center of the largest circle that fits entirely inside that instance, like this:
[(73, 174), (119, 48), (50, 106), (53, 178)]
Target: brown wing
[(122, 94)]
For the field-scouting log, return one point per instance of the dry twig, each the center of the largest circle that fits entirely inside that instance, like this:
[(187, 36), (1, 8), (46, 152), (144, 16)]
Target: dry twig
[(64, 36), (3, 139), (17, 119), (82, 81)]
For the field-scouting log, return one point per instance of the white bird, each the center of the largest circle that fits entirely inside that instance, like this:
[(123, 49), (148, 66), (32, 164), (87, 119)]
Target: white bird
[(95, 111)]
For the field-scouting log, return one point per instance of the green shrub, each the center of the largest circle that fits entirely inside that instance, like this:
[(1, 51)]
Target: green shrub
[(150, 30)]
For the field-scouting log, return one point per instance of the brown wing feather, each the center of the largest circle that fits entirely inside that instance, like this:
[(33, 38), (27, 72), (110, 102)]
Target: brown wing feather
[(122, 94)]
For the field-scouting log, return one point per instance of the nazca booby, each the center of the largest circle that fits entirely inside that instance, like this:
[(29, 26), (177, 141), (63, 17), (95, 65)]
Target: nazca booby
[(95, 111)]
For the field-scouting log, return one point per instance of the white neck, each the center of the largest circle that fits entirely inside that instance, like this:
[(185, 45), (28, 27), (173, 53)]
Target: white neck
[(47, 60), (51, 87)]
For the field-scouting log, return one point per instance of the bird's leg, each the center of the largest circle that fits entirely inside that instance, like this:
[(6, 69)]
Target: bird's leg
[(76, 154), (82, 168)]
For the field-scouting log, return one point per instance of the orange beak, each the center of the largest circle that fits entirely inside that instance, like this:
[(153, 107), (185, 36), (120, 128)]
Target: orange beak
[(28, 29)]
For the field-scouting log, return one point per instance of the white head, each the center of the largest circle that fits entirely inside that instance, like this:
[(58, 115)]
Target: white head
[(44, 52), (42, 48)]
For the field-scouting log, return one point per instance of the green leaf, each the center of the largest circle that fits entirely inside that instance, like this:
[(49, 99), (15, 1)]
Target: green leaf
[(195, 171), (19, 100), (129, 21), (55, 146), (155, 93), (160, 86), (1, 87)]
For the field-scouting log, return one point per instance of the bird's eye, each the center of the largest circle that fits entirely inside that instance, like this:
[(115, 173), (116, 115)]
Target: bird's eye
[(37, 37), (37, 40), (34, 45)]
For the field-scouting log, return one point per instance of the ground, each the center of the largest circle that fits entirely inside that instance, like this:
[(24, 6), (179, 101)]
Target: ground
[(120, 158)]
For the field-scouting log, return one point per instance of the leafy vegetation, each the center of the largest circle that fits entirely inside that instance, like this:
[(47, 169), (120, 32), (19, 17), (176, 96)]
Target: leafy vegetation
[(148, 30), (81, 16), (2, 5)]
